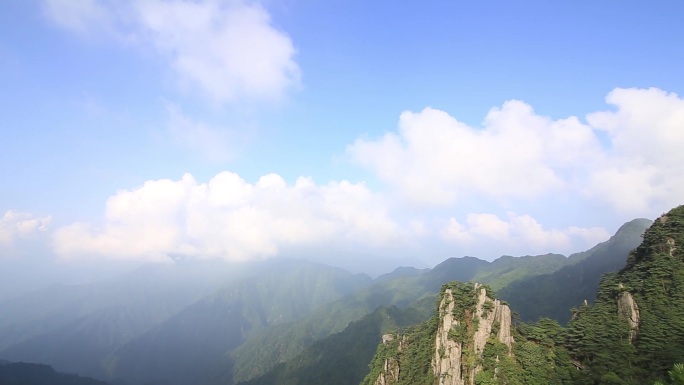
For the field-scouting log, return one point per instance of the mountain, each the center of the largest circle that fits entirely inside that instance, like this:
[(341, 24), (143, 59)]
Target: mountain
[(401, 272), (552, 295), (264, 351), (405, 286), (184, 347), (633, 334), (21, 373), (635, 330), (96, 319), (217, 323), (341, 358)]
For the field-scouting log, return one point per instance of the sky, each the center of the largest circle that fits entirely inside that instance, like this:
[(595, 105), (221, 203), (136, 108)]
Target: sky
[(355, 133)]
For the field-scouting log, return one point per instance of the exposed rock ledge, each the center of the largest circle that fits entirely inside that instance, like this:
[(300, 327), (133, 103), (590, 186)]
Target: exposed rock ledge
[(448, 362)]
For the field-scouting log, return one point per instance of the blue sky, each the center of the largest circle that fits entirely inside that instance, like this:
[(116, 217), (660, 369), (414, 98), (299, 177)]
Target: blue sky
[(405, 131)]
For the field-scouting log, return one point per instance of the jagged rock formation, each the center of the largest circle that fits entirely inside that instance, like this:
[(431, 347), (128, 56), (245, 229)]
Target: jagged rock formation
[(453, 343), (387, 338), (450, 362), (447, 359), (390, 372)]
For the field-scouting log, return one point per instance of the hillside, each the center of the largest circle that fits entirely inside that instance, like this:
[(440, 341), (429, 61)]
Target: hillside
[(341, 358), (408, 287), (264, 351), (159, 319), (635, 331), (633, 334), (183, 348), (225, 324), (551, 295)]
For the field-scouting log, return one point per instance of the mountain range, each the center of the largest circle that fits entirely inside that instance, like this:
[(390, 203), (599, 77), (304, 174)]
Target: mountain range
[(633, 333), (281, 321)]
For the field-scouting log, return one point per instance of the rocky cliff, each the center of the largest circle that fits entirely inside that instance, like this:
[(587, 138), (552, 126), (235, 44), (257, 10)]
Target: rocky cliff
[(464, 330), (451, 345), (628, 310)]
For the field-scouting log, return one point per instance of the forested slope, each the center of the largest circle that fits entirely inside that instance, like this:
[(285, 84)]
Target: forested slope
[(633, 334)]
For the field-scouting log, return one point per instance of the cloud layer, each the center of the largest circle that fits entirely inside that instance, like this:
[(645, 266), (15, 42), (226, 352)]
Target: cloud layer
[(225, 50), (626, 160), (435, 159), (517, 234), (232, 219), (16, 226)]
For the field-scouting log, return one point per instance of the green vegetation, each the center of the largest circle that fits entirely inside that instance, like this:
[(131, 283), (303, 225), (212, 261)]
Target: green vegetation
[(654, 276), (553, 294), (507, 269), (412, 351), (676, 375), (342, 358), (632, 335), (263, 351), (289, 322)]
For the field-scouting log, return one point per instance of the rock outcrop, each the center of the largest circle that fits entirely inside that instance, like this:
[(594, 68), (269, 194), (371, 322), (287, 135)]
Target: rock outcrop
[(467, 319), (390, 372), (629, 311), (456, 353), (446, 363)]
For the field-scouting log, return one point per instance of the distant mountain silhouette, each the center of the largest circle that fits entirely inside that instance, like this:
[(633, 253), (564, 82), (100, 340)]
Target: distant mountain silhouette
[(21, 373)]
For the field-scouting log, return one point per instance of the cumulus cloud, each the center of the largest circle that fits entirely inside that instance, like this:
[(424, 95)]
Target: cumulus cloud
[(645, 160), (226, 50), (436, 159), (518, 233), (629, 158), (231, 219), (16, 225)]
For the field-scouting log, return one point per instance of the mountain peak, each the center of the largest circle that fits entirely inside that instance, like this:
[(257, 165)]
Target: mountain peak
[(634, 226)]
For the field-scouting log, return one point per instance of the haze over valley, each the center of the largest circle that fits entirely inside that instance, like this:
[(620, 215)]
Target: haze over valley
[(256, 192)]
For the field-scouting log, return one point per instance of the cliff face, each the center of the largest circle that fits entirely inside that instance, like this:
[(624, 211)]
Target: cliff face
[(468, 318), (455, 353), (446, 362), (629, 311), (390, 372)]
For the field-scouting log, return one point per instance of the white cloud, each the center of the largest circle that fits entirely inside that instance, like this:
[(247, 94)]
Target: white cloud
[(644, 164), (516, 154), (226, 50), (485, 232), (436, 159), (232, 219), (628, 160), (16, 225)]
